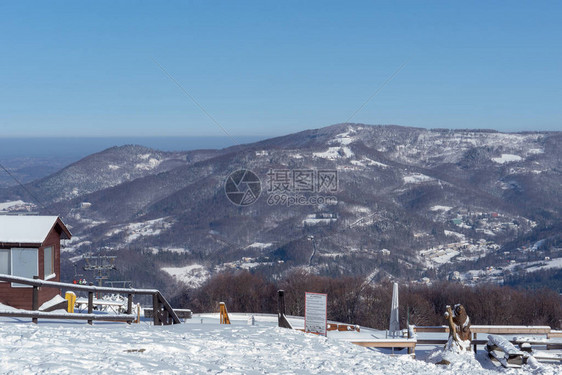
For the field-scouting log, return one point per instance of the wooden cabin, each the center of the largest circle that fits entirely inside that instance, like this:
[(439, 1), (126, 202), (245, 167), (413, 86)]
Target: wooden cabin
[(30, 246)]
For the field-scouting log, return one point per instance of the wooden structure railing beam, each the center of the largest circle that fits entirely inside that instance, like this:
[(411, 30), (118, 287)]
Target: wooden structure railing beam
[(163, 313), (67, 286), (70, 316)]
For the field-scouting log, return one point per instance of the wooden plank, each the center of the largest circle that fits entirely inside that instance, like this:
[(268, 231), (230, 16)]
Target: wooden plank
[(67, 286), (545, 357), (169, 309), (507, 347), (444, 341), (100, 302), (170, 317), (553, 333), (386, 344), (494, 356), (48, 315), (510, 329), (491, 329), (435, 329), (181, 313)]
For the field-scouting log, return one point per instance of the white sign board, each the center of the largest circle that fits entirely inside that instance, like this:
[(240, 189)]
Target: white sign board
[(316, 313)]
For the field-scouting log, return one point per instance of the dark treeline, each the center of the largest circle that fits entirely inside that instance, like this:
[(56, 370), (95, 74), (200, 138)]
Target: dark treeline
[(351, 300)]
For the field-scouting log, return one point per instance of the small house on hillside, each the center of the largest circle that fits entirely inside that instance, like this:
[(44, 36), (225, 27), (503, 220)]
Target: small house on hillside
[(30, 246)]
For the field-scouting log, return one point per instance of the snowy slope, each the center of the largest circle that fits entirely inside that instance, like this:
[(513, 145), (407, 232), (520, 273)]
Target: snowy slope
[(196, 348)]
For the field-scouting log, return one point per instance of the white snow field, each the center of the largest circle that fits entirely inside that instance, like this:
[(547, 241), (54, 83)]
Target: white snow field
[(202, 346)]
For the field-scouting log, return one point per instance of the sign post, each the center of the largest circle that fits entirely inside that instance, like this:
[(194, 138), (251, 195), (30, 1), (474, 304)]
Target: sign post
[(316, 313)]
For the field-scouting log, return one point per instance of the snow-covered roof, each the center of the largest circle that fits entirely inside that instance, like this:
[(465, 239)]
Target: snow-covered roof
[(28, 229)]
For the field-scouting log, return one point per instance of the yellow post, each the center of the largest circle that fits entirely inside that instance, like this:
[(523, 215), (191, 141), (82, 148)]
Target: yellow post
[(224, 314), (71, 298)]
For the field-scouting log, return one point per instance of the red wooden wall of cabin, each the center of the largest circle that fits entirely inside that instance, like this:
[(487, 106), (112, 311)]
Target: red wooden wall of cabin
[(21, 298)]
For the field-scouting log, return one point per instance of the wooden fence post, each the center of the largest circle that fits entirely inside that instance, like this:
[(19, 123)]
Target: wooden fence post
[(35, 299), (281, 319), (129, 305), (90, 305), (156, 310)]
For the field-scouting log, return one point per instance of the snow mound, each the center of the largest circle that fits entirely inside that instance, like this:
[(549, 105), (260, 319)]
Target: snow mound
[(201, 348)]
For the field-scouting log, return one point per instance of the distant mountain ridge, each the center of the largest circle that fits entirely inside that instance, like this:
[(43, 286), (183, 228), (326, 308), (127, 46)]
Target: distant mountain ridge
[(411, 203)]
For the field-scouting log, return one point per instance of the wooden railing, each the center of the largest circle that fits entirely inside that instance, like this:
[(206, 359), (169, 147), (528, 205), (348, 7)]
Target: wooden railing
[(163, 312), (476, 329)]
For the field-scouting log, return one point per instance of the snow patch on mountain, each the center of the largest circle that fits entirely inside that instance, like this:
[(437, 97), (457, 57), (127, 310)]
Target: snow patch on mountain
[(460, 236), (416, 178), (507, 158), (543, 265), (438, 256), (535, 151), (312, 219), (193, 275), (259, 245), (150, 164), (334, 153), (146, 228), (364, 162), (14, 205), (137, 230), (441, 208), (345, 138)]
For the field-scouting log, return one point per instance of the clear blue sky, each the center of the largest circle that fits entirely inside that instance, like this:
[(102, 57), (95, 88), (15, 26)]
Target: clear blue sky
[(276, 67)]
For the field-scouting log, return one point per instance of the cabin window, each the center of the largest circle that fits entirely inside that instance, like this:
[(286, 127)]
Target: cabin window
[(49, 262), (24, 263), (5, 261)]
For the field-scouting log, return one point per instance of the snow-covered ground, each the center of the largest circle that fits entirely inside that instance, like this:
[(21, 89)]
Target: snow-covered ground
[(204, 347)]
